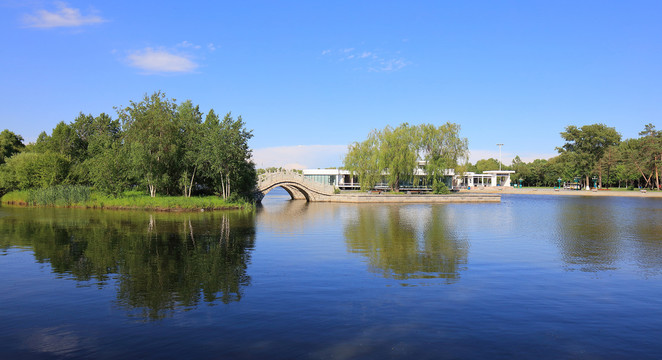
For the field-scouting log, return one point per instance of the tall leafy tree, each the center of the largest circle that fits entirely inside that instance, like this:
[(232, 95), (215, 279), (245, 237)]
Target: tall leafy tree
[(151, 135), (362, 159), (398, 154), (651, 151), (189, 120), (10, 144), (587, 145), (442, 148), (226, 156)]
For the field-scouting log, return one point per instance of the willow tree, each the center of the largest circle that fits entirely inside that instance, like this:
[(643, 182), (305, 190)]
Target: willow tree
[(362, 159), (442, 148), (395, 152)]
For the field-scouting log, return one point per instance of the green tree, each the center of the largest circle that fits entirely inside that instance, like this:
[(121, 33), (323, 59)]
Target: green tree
[(442, 149), (10, 144), (362, 159), (651, 152), (394, 153), (28, 170), (226, 156), (520, 167), (587, 146), (151, 135), (486, 165), (398, 154), (189, 118)]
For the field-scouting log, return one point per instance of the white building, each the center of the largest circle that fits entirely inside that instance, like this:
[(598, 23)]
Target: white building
[(342, 179), (487, 179)]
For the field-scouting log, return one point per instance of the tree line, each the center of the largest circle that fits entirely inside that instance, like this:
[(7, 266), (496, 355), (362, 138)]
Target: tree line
[(592, 151), (154, 145), (393, 154)]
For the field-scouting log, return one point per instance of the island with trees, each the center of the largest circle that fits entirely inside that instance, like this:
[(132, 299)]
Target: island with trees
[(156, 154)]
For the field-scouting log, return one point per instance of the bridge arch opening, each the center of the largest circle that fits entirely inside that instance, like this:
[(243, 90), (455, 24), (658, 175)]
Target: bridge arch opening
[(295, 192)]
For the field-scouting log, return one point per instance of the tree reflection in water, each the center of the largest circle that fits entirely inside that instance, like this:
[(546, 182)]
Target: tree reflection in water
[(588, 235), (404, 246), (160, 261)]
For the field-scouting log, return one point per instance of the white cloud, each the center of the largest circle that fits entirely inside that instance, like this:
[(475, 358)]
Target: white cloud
[(161, 61), (64, 16), (211, 47), (300, 156)]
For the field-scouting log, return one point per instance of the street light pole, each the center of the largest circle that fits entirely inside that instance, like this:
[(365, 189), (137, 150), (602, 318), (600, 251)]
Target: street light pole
[(499, 145)]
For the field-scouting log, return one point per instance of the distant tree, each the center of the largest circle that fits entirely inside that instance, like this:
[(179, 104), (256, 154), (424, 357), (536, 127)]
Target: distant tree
[(609, 159), (587, 145), (520, 167), (487, 165), (10, 144), (651, 151)]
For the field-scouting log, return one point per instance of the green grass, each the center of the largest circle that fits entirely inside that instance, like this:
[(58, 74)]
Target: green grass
[(128, 200)]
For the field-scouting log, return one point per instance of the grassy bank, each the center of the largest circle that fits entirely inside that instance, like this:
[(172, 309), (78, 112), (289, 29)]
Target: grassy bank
[(134, 200)]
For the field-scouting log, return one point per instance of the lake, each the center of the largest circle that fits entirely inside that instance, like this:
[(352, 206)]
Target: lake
[(543, 277)]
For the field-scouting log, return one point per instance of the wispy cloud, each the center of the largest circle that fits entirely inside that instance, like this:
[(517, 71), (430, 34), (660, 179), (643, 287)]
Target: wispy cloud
[(188, 44), (374, 61), (300, 156), (64, 16), (161, 61)]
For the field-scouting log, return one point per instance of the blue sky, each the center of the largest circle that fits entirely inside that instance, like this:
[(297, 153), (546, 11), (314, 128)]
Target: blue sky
[(310, 77)]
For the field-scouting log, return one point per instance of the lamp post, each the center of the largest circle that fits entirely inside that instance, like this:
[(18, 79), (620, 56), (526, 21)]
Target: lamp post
[(499, 145)]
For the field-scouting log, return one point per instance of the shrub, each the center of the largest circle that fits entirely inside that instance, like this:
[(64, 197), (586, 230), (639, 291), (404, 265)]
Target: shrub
[(440, 187)]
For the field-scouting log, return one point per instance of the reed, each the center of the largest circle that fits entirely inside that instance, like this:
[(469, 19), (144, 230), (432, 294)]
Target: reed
[(59, 195), (80, 196)]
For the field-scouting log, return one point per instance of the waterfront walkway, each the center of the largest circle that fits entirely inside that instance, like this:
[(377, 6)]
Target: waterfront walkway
[(563, 192)]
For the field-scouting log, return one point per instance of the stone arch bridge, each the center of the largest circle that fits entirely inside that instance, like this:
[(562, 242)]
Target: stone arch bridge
[(298, 186)]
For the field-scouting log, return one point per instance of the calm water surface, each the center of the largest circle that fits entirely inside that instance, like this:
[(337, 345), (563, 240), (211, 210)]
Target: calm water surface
[(535, 276)]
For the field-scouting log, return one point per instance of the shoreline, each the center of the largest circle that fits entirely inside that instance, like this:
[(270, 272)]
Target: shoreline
[(413, 199), (120, 208), (563, 192)]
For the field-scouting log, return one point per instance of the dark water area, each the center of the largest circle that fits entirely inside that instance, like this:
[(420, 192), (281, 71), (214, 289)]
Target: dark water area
[(543, 277)]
